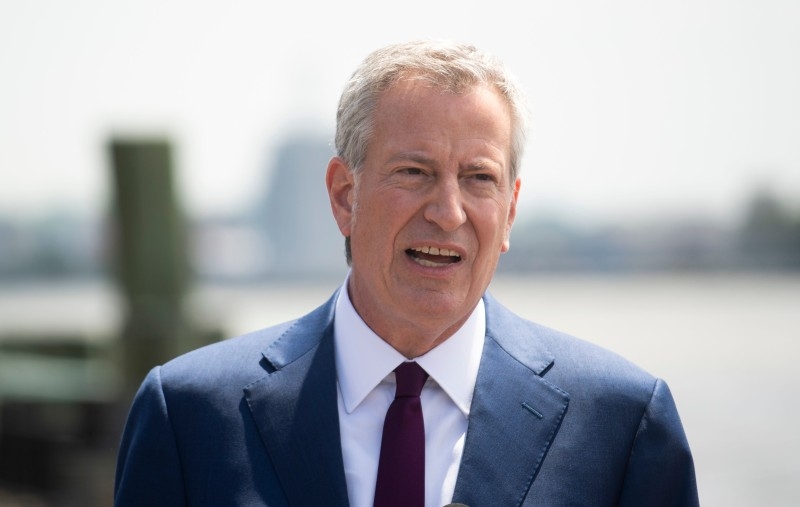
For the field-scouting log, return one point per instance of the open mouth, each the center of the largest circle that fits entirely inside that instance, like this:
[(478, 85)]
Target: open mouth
[(433, 257)]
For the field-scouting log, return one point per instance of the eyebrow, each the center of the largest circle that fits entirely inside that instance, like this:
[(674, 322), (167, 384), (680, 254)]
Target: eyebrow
[(483, 163), (413, 157)]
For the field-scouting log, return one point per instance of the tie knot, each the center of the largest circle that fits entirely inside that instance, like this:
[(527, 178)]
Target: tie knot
[(410, 379)]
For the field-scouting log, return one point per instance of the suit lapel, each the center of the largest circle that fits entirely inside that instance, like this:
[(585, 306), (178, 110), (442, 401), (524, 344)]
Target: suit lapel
[(514, 417), (295, 410)]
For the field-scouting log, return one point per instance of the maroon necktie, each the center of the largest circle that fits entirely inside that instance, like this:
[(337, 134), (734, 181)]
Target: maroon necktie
[(401, 470)]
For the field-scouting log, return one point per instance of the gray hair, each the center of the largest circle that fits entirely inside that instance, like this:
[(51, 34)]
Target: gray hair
[(451, 66)]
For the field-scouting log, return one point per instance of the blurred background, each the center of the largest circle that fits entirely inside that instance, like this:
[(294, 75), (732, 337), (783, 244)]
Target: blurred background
[(161, 187)]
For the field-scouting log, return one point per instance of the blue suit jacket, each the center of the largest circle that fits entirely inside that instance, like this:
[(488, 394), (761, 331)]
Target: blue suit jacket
[(253, 421)]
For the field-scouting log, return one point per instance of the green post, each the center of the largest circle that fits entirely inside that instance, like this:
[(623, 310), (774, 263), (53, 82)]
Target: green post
[(151, 256)]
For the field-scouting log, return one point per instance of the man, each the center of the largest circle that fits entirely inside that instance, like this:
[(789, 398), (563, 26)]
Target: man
[(424, 188)]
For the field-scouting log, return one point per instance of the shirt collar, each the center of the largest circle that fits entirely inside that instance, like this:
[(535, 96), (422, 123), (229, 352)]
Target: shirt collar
[(363, 359)]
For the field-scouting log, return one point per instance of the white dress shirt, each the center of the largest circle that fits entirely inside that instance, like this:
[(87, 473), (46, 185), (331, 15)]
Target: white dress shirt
[(366, 386)]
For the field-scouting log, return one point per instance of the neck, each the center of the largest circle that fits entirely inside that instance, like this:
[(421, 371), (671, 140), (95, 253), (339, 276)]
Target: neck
[(416, 342), (411, 331)]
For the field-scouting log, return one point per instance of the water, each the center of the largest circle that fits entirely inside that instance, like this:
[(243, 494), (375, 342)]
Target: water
[(727, 346)]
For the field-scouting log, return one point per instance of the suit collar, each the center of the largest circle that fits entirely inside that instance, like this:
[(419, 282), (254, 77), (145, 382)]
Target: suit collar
[(302, 336), (295, 409), (515, 414), (518, 337)]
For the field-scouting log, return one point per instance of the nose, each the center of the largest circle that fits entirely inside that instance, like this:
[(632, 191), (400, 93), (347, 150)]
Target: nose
[(445, 207)]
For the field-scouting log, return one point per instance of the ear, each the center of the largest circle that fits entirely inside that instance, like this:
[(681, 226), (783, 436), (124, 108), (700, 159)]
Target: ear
[(341, 182), (512, 214)]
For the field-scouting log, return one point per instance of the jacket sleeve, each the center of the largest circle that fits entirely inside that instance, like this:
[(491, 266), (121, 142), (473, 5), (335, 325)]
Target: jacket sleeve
[(660, 469), (148, 464)]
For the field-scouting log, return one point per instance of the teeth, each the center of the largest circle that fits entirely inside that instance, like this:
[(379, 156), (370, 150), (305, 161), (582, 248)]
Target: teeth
[(429, 264), (432, 250)]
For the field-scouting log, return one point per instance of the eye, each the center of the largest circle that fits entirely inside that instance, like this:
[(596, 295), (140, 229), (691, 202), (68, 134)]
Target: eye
[(411, 171), (484, 177)]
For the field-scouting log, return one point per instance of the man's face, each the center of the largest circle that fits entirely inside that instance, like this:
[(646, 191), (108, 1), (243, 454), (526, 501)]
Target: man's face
[(431, 209)]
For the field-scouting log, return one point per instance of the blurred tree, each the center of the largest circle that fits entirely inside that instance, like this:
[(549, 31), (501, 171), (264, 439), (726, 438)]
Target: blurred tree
[(770, 234)]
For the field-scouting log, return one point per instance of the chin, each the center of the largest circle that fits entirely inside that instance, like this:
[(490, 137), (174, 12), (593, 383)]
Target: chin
[(438, 304)]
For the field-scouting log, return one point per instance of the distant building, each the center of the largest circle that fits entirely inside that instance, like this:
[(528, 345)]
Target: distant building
[(303, 239)]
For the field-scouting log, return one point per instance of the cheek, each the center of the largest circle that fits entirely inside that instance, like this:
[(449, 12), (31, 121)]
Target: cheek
[(493, 230), (371, 224)]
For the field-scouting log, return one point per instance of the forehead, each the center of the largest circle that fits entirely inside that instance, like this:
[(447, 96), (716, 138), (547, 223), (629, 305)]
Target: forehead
[(408, 91), (416, 108)]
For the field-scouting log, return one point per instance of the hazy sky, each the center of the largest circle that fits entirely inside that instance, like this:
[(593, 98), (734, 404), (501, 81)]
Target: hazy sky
[(639, 108)]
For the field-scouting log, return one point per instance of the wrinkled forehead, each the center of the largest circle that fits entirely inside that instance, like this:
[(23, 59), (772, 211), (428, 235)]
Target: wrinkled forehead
[(410, 106)]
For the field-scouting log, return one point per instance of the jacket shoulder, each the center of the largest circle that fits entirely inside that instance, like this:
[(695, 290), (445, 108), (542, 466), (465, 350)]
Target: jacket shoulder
[(245, 358), (574, 364)]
